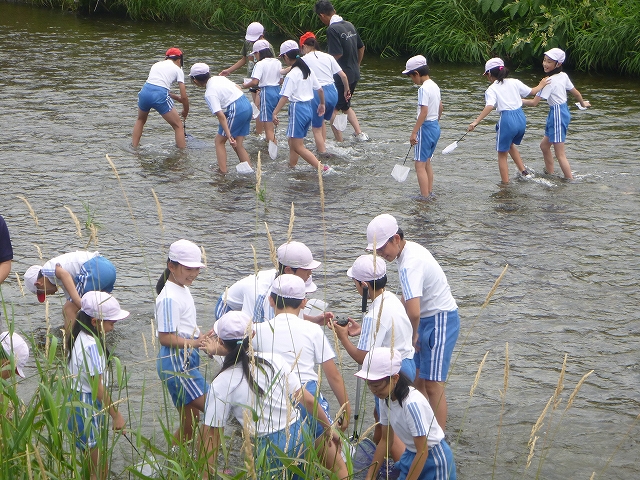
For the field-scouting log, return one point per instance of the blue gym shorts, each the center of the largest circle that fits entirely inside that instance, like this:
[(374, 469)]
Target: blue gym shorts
[(510, 129), (300, 115), (269, 98), (428, 137), (84, 422), (437, 335), (557, 123), (439, 464), (296, 434), (189, 384), (96, 275), (156, 97), (330, 100), (239, 115)]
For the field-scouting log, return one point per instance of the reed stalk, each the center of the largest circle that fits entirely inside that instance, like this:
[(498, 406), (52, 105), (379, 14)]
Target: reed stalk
[(503, 395)]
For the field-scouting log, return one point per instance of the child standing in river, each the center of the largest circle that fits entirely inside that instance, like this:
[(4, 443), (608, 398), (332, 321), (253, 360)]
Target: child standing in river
[(555, 93)]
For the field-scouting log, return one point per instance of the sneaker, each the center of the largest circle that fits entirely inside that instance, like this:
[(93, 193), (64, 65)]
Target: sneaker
[(327, 170), (361, 137)]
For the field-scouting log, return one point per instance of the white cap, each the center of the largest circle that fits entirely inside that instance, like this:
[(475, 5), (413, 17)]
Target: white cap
[(379, 363), (493, 63), (15, 344), (556, 54), (30, 278), (199, 69), (254, 31), (287, 46), (260, 45), (414, 63), (233, 325), (103, 306), (380, 230), (289, 286), (365, 269), (186, 253), (296, 255)]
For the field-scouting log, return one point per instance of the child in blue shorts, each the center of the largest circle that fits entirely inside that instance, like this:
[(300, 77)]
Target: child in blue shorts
[(426, 132), (555, 93), (505, 95), (234, 112), (156, 94)]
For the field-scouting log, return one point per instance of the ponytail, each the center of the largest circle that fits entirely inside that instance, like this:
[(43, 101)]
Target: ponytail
[(164, 277), (499, 73), (295, 55), (239, 354)]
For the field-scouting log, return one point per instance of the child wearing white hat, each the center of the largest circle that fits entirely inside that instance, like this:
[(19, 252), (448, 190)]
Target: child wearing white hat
[(405, 412), (88, 368), (426, 131), (505, 95), (431, 308), (13, 351), (555, 93), (226, 101), (178, 362)]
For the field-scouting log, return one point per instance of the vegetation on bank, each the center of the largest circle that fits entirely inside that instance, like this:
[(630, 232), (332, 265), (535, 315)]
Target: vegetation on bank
[(597, 34)]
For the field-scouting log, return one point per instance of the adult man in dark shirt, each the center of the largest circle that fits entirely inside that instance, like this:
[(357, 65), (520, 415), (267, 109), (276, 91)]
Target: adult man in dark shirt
[(6, 251), (344, 43)]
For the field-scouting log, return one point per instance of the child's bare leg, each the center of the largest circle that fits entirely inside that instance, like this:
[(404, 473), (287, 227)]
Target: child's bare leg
[(545, 146), (503, 166), (558, 148), (423, 178), (331, 457), (438, 401), (297, 145), (138, 127), (259, 123), (173, 118), (221, 152), (270, 131), (517, 159), (337, 134), (242, 153), (189, 418), (353, 120), (429, 168), (293, 155), (317, 135)]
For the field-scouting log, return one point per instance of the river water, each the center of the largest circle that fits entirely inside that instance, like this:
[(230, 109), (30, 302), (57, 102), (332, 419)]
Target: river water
[(69, 90)]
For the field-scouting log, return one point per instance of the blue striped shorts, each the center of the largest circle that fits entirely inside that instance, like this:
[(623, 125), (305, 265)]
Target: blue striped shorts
[(239, 115), (557, 123), (439, 465), (189, 384), (437, 335)]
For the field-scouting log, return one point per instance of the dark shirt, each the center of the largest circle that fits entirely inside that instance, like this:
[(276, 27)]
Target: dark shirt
[(6, 251), (343, 39)]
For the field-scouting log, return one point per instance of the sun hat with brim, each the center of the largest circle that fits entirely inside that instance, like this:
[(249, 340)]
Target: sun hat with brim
[(287, 46), (414, 63), (260, 45), (234, 325), (254, 31), (186, 253), (493, 63), (380, 230), (556, 54), (379, 363), (296, 255), (15, 344), (289, 286), (306, 36), (173, 52), (198, 69), (103, 306), (30, 278), (368, 268)]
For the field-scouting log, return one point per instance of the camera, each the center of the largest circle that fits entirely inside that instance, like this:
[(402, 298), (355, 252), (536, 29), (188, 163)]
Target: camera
[(343, 322)]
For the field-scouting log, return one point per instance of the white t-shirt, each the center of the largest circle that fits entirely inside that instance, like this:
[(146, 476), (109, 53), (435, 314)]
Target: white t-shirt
[(87, 360), (302, 344), (71, 262), (176, 311), (323, 65), (555, 92), (393, 322), (221, 92), (297, 88), (267, 71), (429, 96), (413, 419), (164, 73), (230, 394), (506, 95), (421, 276)]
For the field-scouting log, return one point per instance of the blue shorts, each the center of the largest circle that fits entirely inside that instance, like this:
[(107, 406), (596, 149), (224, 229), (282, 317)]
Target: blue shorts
[(96, 275), (439, 464), (297, 434), (557, 123), (510, 129), (408, 367), (300, 115), (330, 100), (84, 422), (239, 115), (156, 97), (269, 98), (189, 384), (428, 137), (305, 416), (437, 336)]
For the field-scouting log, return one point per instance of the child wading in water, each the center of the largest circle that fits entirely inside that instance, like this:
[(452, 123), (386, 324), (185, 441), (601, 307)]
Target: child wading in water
[(426, 132), (505, 95), (555, 93), (156, 94), (88, 363)]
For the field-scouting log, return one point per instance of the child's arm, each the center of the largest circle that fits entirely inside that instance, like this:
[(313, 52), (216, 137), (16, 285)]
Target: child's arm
[(422, 452), (485, 111), (383, 449), (69, 285), (336, 382), (105, 398), (252, 83), (321, 107), (343, 335), (440, 110), (424, 110), (543, 83), (225, 127), (227, 71), (345, 85), (182, 98), (533, 102), (213, 347), (578, 96), (172, 340), (276, 110)]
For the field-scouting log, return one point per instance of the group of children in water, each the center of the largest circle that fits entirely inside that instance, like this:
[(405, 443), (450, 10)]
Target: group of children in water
[(270, 349)]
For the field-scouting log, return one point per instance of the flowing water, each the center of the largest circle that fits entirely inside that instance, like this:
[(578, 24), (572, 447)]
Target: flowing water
[(69, 90)]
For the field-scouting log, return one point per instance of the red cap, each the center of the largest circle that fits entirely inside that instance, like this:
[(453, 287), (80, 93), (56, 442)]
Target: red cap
[(41, 296), (306, 37), (173, 52)]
